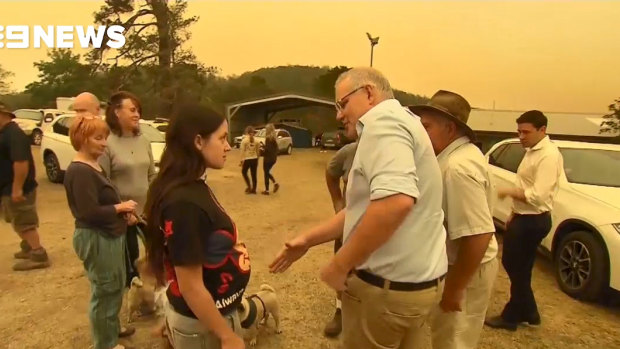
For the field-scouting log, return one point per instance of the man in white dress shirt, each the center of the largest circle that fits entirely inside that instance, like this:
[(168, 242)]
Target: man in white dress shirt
[(393, 259), (467, 203), (532, 196)]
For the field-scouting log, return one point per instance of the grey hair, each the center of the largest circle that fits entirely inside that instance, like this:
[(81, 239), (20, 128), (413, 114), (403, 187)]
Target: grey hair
[(361, 76)]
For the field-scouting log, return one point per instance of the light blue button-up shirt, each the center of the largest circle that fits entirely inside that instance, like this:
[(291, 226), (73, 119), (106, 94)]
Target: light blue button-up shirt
[(395, 156)]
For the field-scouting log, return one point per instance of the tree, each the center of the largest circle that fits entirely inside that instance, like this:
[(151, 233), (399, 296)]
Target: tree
[(611, 122), (63, 75), (324, 84), (5, 83), (155, 31)]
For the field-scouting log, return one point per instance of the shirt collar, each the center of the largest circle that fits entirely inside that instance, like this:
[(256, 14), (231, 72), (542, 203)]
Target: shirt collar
[(542, 143), (375, 111), (453, 146)]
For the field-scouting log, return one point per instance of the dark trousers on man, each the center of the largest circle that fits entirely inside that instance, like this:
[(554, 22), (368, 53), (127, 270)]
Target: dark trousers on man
[(523, 236)]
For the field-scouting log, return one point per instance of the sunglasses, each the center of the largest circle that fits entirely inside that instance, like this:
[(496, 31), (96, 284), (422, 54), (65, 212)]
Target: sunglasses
[(342, 102)]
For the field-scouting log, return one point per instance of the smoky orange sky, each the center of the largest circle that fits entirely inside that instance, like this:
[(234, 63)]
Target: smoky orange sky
[(548, 55)]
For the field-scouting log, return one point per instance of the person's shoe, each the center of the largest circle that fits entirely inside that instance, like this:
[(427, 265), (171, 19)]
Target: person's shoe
[(37, 260), (248, 190), (253, 191), (533, 319), (126, 332), (499, 322), (265, 192), (24, 253), (276, 187), (334, 327)]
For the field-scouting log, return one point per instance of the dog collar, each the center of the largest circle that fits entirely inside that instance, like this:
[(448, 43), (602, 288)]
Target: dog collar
[(251, 315)]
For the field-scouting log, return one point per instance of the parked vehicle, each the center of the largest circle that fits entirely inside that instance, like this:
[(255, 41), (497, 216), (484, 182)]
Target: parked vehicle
[(57, 151), (284, 139), (334, 139), (584, 241), (34, 121)]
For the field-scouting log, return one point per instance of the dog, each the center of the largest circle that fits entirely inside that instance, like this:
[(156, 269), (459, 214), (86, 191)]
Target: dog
[(142, 295), (255, 309)]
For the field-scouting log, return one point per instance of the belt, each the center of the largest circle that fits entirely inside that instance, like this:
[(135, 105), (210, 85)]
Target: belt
[(396, 285)]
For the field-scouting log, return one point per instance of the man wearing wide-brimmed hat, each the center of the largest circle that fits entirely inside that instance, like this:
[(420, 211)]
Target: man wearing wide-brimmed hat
[(467, 204), (18, 191)]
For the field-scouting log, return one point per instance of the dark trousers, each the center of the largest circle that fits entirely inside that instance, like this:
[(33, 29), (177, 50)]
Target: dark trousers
[(524, 234), (267, 165), (132, 252), (252, 165)]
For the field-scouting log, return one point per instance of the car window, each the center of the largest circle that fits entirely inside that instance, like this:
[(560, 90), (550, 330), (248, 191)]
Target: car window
[(151, 133), (592, 166), (61, 126), (29, 114), (509, 157), (282, 134)]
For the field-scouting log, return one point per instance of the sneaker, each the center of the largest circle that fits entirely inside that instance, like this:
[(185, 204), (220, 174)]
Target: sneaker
[(276, 187), (334, 327), (265, 192), (499, 322)]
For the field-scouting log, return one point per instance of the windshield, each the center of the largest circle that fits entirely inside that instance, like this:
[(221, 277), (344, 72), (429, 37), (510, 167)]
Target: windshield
[(151, 133), (29, 114), (592, 166)]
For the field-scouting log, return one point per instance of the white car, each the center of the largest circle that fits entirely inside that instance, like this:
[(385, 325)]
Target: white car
[(283, 137), (57, 151), (34, 121), (584, 241)]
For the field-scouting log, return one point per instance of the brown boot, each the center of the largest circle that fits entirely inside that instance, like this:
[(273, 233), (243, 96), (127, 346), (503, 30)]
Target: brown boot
[(24, 253), (38, 260), (334, 327)]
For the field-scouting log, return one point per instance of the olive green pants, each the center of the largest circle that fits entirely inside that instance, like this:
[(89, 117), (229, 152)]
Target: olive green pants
[(103, 257)]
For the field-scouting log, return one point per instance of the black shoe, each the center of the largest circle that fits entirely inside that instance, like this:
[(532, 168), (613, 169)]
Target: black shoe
[(24, 252), (533, 319), (334, 327), (266, 192), (276, 187), (499, 322)]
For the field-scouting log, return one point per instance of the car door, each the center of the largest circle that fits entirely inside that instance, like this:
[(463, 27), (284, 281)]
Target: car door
[(504, 161), (283, 140), (59, 141)]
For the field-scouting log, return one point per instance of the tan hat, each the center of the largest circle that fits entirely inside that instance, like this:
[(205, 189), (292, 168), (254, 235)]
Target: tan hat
[(5, 110), (450, 105)]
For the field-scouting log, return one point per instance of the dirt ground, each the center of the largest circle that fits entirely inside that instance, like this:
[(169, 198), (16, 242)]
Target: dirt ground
[(48, 308)]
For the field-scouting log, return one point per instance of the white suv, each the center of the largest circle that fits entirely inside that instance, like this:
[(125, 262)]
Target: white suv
[(34, 121), (584, 241), (57, 151)]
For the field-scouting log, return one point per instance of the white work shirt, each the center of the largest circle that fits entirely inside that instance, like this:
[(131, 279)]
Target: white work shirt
[(395, 156), (467, 196), (539, 176)]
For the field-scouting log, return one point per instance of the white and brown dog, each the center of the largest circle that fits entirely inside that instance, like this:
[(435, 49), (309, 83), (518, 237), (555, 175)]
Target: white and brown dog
[(255, 309)]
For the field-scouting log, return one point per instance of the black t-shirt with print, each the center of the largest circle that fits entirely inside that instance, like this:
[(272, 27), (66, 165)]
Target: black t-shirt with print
[(199, 231)]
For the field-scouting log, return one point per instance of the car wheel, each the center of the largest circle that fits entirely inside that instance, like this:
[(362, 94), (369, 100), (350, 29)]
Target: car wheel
[(52, 168), (289, 149), (37, 136), (581, 266)]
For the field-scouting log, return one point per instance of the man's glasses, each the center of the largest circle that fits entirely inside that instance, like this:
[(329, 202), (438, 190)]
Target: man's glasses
[(342, 103)]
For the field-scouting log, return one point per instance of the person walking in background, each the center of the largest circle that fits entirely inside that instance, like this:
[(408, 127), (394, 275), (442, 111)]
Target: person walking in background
[(456, 323), (192, 242), (128, 161), (250, 149), (100, 227), (532, 197), (337, 168), (270, 156), (18, 190)]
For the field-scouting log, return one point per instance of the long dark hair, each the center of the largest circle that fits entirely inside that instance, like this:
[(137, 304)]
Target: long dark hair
[(115, 103), (181, 163)]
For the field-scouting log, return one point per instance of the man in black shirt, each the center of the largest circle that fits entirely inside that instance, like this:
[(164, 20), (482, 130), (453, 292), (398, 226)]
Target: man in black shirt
[(18, 191)]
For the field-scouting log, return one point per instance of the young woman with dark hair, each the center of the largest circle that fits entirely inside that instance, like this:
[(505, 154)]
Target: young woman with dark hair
[(191, 241)]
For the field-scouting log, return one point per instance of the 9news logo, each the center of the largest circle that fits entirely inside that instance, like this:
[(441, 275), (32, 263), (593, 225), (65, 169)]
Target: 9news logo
[(61, 36)]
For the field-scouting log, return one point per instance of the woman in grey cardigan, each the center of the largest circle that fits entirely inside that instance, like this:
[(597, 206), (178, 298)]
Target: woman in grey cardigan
[(128, 161)]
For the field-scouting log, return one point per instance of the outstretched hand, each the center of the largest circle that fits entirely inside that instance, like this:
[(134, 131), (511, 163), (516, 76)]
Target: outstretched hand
[(292, 251)]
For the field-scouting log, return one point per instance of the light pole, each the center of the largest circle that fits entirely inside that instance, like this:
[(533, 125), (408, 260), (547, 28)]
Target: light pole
[(373, 42)]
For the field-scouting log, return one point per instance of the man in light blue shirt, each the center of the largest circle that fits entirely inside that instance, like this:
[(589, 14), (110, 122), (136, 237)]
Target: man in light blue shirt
[(393, 260)]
